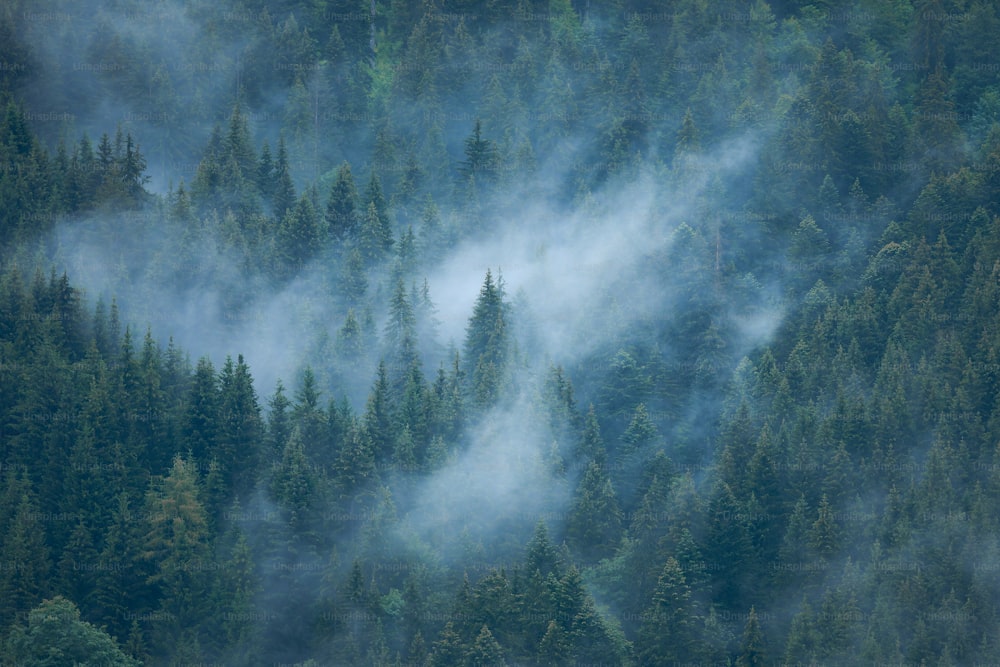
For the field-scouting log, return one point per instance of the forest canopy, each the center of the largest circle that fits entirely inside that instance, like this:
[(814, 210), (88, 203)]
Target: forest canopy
[(442, 333)]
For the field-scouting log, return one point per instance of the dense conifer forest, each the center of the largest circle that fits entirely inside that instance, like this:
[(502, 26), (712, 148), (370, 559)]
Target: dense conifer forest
[(504, 332)]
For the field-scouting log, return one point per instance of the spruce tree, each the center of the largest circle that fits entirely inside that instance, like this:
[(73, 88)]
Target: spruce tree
[(240, 432), (342, 208), (595, 520), (480, 156), (24, 579), (485, 651), (669, 628), (487, 345), (201, 413), (752, 652)]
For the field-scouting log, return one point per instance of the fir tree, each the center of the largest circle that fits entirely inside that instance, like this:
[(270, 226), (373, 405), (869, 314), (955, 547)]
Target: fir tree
[(342, 215), (668, 632), (752, 647), (25, 578)]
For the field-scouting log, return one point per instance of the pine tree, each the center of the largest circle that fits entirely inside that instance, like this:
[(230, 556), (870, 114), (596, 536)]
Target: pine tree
[(265, 173), (299, 237), (801, 646), (24, 579), (592, 444), (447, 650), (480, 157), (542, 556), (309, 417), (294, 484), (284, 189), (554, 648), (278, 422), (793, 551), (356, 464), (240, 432), (89, 484), (201, 414), (416, 652), (752, 652), (120, 587), (355, 279), (342, 209), (430, 239), (486, 342), (824, 533), (235, 590), (376, 224), (378, 416), (595, 520), (400, 337), (485, 651), (668, 632), (350, 345), (936, 132), (151, 419), (79, 556), (641, 431), (729, 545), (647, 527), (688, 143)]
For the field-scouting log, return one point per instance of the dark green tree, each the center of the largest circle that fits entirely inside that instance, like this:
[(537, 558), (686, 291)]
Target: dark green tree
[(299, 236), (25, 577), (752, 653), (487, 344), (201, 414), (294, 483), (480, 157), (55, 634), (448, 649), (669, 627), (342, 208), (595, 521), (240, 432), (485, 651)]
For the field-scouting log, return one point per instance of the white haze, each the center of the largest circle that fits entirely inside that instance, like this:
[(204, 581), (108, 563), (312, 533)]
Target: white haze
[(500, 476), (571, 265), (568, 265)]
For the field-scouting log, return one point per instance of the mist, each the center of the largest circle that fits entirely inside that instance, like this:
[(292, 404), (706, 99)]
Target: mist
[(682, 238)]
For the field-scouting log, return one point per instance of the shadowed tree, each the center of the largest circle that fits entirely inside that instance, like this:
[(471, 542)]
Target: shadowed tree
[(668, 632), (595, 520), (55, 635), (342, 209), (752, 647), (25, 576)]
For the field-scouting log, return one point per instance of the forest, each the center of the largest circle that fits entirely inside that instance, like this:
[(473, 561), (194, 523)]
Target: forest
[(443, 333)]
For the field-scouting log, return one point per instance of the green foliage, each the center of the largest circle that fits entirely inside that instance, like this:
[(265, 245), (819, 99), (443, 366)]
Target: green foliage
[(595, 521), (342, 215), (669, 627), (487, 350), (752, 647), (55, 635), (820, 202), (177, 545), (25, 579)]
